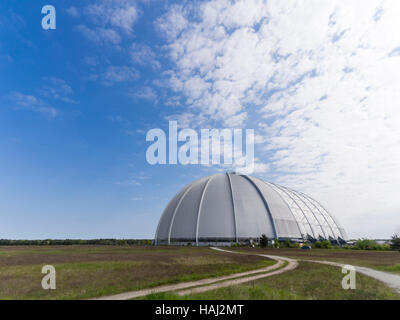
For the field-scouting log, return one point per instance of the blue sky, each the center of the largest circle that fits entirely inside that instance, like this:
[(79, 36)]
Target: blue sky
[(76, 103), (76, 173)]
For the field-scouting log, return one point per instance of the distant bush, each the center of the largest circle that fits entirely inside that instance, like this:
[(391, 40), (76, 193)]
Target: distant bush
[(367, 244), (395, 242), (286, 244), (324, 244)]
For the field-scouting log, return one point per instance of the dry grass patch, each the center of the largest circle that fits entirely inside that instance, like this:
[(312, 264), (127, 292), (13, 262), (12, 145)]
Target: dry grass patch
[(92, 271)]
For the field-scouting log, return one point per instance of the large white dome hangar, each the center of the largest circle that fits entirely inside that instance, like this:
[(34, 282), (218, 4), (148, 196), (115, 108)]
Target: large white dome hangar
[(226, 208)]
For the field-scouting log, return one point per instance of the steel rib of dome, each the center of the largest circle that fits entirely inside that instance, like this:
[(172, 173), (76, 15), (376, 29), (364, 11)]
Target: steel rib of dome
[(234, 207)]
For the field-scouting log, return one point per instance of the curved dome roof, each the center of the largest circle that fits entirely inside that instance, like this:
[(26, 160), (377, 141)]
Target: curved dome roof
[(234, 207)]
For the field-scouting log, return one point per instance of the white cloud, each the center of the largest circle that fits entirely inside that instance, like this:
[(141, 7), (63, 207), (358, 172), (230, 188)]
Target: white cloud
[(120, 14), (318, 78), (110, 21), (57, 89), (119, 119), (119, 74), (73, 12), (32, 103), (173, 22), (92, 61), (144, 55), (145, 93), (100, 35)]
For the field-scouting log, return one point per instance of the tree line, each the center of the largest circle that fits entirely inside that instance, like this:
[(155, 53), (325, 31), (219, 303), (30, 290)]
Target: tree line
[(62, 242), (361, 244)]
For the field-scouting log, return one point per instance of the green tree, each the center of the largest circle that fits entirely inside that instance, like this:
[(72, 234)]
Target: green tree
[(287, 243), (395, 243), (324, 244), (263, 241), (367, 244)]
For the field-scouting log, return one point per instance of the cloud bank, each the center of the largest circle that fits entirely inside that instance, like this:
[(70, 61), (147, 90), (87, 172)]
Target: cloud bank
[(318, 79)]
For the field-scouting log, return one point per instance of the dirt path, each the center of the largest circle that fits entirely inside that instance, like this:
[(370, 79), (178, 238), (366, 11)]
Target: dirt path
[(222, 281), (389, 279), (292, 264)]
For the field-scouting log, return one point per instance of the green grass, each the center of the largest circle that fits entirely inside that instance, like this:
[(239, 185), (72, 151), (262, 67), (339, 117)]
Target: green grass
[(395, 268), (93, 271), (310, 281)]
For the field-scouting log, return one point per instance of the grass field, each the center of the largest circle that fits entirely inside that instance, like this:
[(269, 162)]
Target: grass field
[(92, 271), (310, 281)]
